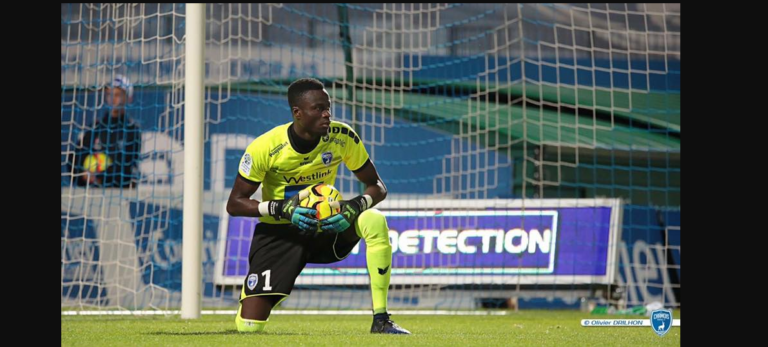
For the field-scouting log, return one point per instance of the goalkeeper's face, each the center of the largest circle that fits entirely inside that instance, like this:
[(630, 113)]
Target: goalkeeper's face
[(314, 112)]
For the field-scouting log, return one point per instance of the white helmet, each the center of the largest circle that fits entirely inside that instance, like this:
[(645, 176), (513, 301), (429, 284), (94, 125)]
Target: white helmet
[(123, 82)]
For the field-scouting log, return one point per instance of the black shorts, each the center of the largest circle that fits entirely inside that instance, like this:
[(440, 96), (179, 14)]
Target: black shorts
[(279, 252)]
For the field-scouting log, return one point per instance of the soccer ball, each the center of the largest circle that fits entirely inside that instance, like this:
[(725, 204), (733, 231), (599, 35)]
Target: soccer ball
[(321, 197), (97, 162)]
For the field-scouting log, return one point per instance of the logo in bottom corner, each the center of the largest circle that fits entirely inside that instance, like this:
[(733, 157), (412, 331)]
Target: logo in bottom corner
[(661, 321)]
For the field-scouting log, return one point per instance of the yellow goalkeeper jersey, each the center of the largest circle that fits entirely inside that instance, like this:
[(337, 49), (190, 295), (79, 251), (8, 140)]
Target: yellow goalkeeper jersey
[(271, 160)]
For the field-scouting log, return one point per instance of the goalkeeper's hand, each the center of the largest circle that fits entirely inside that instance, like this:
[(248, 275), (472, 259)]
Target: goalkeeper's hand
[(348, 213), (289, 209)]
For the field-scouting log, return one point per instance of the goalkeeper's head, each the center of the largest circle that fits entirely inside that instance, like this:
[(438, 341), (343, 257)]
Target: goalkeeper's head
[(311, 106), (118, 94)]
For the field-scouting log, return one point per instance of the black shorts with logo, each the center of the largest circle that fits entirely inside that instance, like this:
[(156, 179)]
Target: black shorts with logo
[(279, 253)]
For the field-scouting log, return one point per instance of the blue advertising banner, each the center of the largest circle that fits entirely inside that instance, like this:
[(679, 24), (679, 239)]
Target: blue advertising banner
[(553, 241)]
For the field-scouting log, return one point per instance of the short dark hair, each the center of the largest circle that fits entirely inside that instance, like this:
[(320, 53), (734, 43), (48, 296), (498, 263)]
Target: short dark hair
[(300, 86)]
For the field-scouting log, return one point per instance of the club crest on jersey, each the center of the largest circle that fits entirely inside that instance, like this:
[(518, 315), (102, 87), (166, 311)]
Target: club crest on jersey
[(327, 157)]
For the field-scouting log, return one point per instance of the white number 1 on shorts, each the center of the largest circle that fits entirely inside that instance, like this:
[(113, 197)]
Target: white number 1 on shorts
[(267, 274)]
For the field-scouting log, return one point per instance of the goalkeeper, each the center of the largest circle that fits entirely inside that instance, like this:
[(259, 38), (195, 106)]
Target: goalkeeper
[(284, 161)]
